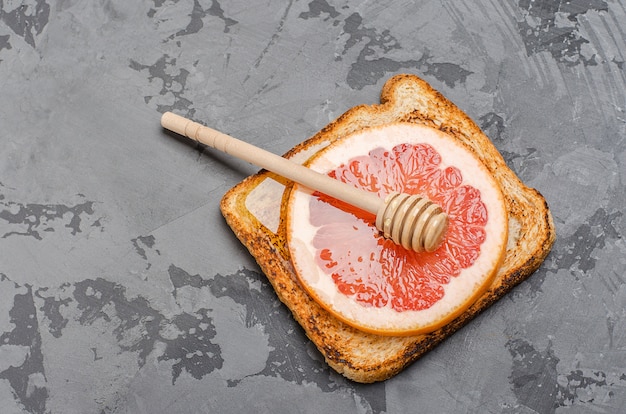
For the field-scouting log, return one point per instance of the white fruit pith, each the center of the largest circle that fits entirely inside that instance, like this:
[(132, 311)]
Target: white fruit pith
[(459, 292)]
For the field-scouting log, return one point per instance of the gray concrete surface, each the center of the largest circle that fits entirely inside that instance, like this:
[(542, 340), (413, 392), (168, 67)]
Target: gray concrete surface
[(123, 291)]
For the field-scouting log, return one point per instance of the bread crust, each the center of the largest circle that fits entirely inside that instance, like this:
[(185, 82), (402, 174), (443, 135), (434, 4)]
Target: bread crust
[(365, 357)]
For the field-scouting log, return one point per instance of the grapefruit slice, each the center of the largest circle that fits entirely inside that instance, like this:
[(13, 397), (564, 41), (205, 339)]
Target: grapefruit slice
[(369, 282)]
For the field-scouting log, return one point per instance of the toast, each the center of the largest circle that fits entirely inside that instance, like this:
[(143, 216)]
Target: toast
[(253, 210)]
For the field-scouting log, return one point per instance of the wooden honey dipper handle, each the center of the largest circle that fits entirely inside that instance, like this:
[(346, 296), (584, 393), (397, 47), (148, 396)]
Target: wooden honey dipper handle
[(411, 221)]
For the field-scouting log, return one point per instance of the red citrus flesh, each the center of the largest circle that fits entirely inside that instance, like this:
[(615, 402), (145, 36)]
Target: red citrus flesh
[(372, 283)]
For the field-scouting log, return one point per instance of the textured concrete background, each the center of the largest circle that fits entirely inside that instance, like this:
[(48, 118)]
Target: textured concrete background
[(123, 291)]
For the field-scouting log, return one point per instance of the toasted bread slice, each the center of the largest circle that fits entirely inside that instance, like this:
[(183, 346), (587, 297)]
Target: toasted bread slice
[(253, 211)]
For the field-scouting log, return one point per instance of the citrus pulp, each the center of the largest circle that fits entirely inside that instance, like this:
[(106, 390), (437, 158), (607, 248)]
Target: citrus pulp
[(369, 282)]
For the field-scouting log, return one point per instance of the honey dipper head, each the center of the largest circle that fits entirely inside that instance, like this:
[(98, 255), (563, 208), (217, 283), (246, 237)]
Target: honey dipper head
[(412, 221)]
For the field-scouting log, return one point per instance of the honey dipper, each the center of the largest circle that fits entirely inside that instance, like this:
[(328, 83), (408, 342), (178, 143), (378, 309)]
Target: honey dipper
[(412, 221)]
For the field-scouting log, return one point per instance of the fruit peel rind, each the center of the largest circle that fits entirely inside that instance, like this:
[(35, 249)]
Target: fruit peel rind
[(460, 292)]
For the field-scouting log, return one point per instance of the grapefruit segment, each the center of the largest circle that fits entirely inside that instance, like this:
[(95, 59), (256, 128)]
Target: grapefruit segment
[(370, 282)]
